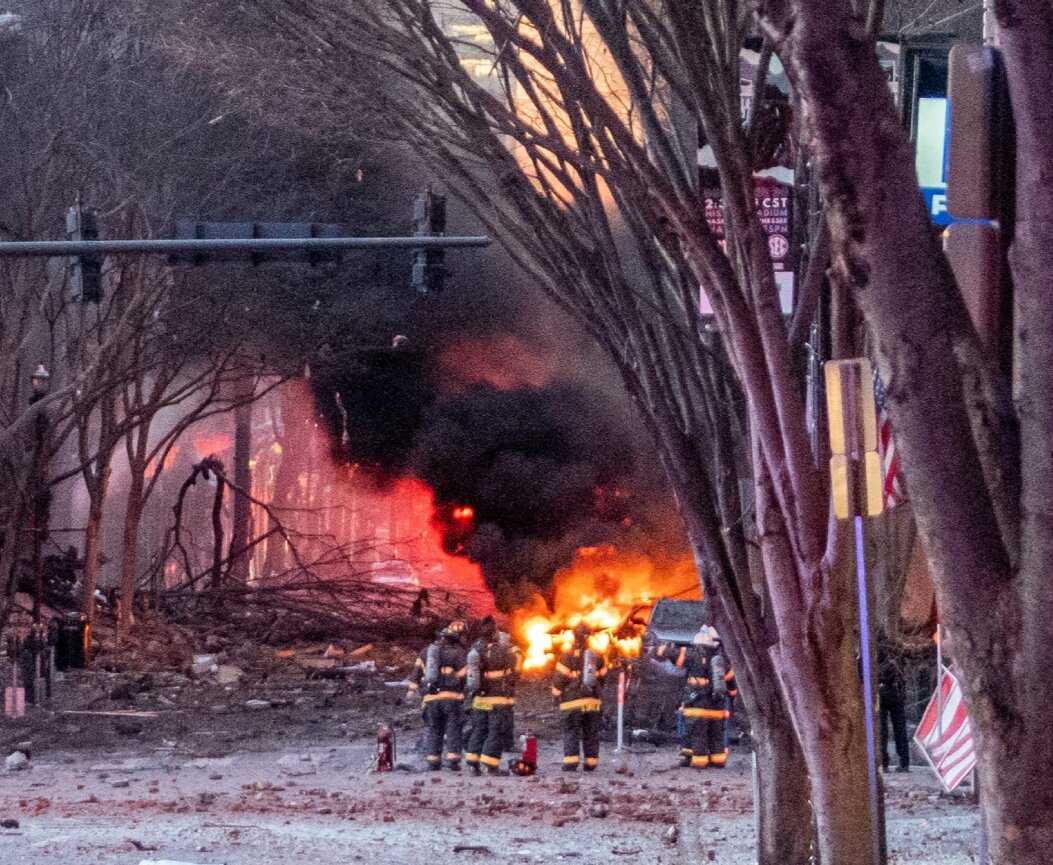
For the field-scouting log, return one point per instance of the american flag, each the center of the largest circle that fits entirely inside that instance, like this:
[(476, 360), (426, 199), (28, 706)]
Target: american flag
[(892, 490), (945, 735)]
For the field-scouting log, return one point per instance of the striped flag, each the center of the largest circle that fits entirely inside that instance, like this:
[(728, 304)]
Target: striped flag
[(892, 489), (945, 735)]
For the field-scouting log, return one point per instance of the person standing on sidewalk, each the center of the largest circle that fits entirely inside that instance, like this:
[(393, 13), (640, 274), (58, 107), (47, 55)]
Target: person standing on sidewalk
[(892, 702)]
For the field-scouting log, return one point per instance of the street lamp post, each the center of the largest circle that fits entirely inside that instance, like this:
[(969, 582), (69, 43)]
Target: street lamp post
[(40, 382), (38, 645)]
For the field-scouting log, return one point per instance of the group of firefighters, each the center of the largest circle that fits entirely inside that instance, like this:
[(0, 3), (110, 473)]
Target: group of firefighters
[(449, 671)]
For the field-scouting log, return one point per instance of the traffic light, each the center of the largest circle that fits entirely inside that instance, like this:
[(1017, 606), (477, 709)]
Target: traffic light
[(85, 270), (429, 220)]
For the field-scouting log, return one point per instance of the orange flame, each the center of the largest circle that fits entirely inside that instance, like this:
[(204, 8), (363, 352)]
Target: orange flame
[(609, 592)]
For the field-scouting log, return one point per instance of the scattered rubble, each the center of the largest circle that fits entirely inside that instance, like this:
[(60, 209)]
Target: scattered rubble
[(16, 762)]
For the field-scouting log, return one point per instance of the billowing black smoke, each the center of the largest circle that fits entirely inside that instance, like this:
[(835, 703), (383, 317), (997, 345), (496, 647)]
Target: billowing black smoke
[(516, 421), (523, 477), (545, 471)]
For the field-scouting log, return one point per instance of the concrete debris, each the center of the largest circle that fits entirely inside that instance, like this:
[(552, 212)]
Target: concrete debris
[(671, 835), (16, 761), (296, 766), (9, 823), (228, 674), (172, 862), (257, 705), (599, 809)]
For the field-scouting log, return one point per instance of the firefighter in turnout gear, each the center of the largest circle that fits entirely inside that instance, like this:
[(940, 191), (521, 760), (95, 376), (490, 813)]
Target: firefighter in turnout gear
[(709, 689), (576, 690), (440, 674), (492, 670)]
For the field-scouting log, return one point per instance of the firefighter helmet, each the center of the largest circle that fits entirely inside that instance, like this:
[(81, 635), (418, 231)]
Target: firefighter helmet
[(454, 630), (707, 636)]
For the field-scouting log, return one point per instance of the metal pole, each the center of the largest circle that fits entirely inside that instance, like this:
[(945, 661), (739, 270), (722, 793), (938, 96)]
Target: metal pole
[(170, 246), (621, 710), (939, 680), (991, 31), (866, 657)]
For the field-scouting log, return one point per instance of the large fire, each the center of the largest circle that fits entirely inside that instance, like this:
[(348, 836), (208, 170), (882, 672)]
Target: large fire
[(608, 591)]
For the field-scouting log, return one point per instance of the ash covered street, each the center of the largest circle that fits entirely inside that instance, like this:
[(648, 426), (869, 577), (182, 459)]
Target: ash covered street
[(191, 773)]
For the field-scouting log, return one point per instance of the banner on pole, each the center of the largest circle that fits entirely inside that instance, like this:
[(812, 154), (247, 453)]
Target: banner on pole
[(945, 735)]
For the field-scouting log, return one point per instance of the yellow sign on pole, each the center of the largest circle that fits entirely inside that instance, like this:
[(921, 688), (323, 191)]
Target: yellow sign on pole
[(855, 467)]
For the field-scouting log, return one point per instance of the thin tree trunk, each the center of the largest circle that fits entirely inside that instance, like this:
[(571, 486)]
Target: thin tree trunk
[(92, 541), (217, 536), (784, 811), (241, 506), (133, 513)]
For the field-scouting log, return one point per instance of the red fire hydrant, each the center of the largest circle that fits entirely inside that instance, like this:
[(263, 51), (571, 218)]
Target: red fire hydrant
[(526, 762), (385, 748)]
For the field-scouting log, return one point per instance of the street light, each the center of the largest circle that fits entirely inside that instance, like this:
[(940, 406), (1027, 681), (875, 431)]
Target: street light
[(40, 382)]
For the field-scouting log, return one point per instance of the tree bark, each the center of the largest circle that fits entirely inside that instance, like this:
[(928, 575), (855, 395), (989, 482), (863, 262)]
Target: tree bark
[(241, 507), (92, 541), (133, 512), (1016, 750), (784, 812), (217, 536)]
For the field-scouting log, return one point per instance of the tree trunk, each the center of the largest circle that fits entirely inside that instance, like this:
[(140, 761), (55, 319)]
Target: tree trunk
[(240, 505), (133, 513), (1016, 800), (784, 812), (92, 540), (217, 536)]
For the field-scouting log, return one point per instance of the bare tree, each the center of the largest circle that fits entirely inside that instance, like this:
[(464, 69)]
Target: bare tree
[(978, 464)]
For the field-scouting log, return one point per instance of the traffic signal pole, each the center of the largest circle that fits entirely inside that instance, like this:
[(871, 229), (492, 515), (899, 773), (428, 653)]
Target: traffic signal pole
[(247, 245)]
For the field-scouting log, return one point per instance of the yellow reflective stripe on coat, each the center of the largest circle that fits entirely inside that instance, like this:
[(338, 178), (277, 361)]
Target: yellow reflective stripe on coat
[(708, 714), (443, 695), (566, 671), (586, 704), (495, 674), (485, 704), (697, 680)]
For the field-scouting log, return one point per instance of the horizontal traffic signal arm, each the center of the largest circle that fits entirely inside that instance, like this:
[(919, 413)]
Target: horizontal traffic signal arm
[(247, 245)]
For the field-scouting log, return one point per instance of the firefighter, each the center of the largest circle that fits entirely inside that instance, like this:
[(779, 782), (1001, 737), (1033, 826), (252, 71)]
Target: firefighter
[(708, 692), (576, 689), (492, 671), (440, 672)]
